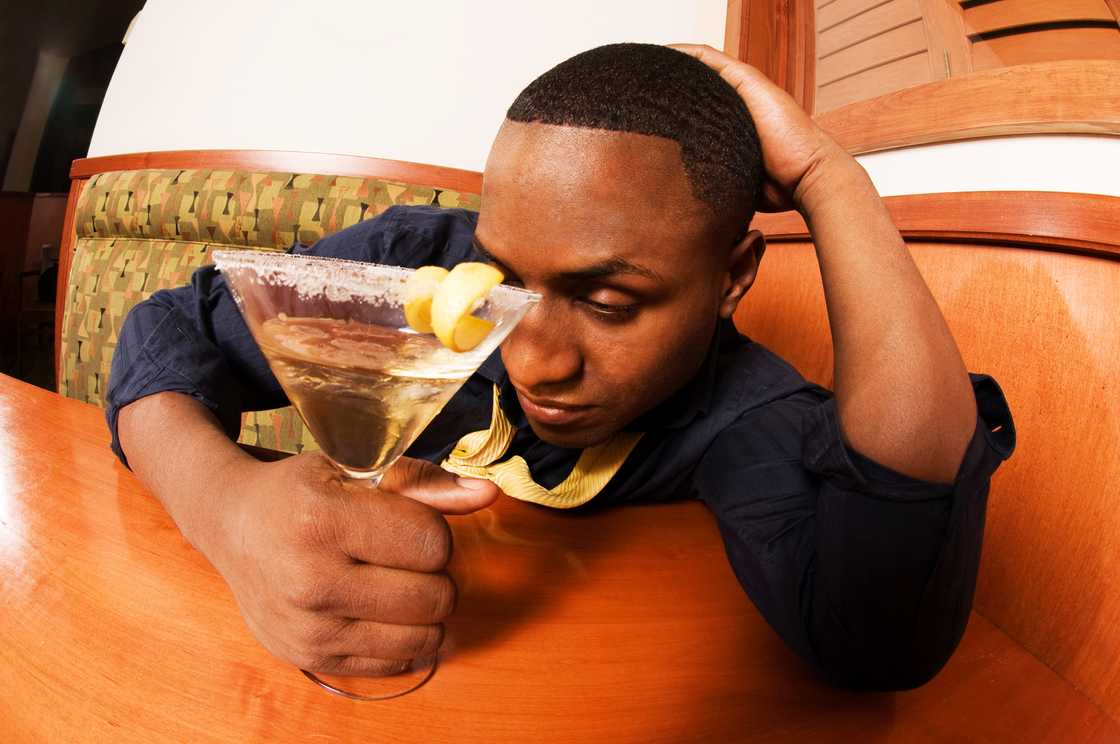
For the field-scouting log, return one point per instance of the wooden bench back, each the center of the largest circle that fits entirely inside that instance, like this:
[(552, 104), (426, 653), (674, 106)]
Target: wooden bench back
[(142, 227), (1030, 285)]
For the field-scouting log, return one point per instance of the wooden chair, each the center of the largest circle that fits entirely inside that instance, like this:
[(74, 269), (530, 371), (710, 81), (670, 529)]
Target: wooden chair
[(1029, 283)]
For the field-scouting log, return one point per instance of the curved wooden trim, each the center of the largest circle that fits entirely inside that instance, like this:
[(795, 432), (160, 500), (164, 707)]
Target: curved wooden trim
[(286, 162), (1072, 96), (1081, 223)]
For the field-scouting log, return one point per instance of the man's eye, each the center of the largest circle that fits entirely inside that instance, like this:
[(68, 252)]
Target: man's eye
[(609, 311)]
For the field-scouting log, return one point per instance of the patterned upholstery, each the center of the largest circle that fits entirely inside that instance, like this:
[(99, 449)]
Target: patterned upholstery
[(142, 231)]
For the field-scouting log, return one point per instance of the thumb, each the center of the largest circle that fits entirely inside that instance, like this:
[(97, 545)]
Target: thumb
[(429, 484)]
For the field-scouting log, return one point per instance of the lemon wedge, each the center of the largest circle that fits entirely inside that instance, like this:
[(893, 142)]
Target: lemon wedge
[(459, 294), (418, 293)]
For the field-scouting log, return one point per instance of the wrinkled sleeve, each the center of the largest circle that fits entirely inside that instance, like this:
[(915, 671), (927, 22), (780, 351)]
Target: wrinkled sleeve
[(866, 573), (193, 340)]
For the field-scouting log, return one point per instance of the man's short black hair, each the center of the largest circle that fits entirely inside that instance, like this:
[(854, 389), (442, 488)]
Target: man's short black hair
[(655, 90)]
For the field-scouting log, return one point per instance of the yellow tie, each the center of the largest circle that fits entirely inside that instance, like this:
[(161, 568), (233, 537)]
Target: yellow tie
[(476, 454)]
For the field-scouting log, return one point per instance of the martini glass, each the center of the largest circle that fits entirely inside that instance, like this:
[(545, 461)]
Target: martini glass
[(364, 383)]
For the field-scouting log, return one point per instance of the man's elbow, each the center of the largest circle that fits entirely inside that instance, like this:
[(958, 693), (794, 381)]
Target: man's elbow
[(873, 678), (885, 667)]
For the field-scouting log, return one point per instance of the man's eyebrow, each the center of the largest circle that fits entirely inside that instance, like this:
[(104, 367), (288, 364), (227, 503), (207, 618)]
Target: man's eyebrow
[(489, 258), (610, 267)]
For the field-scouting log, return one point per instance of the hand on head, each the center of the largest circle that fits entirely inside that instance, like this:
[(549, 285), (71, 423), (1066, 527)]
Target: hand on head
[(793, 147)]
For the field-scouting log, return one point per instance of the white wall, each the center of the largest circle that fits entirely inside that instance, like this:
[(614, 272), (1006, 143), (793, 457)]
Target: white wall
[(1083, 164), (423, 81), (430, 82)]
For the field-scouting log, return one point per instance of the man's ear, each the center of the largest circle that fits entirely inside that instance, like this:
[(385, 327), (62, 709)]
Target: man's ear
[(742, 269)]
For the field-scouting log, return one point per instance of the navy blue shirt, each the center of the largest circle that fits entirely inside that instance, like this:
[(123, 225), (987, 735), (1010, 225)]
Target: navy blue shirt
[(866, 573)]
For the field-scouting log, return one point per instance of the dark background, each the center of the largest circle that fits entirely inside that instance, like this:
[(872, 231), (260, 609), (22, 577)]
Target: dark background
[(83, 41), (89, 33)]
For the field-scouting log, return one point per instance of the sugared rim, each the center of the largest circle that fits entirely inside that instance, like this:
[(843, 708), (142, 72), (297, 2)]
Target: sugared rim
[(285, 264)]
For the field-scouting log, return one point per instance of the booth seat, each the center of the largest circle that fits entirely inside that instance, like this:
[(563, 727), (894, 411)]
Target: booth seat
[(1029, 284), (144, 230)]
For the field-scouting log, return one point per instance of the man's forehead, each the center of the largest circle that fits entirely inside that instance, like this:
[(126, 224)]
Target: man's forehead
[(573, 197), (528, 146), (621, 178)]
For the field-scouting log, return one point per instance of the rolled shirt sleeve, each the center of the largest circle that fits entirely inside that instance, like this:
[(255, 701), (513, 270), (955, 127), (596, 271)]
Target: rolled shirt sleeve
[(191, 340), (865, 572)]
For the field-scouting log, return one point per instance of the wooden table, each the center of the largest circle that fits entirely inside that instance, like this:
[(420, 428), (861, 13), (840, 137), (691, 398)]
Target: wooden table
[(622, 625)]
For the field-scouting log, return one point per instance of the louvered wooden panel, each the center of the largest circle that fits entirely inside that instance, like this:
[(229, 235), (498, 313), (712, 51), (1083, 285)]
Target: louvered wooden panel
[(877, 81), (840, 11), (866, 48), (1007, 14), (876, 19), (901, 42), (1046, 46)]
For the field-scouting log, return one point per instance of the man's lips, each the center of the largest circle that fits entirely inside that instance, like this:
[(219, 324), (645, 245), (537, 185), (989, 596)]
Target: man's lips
[(553, 412)]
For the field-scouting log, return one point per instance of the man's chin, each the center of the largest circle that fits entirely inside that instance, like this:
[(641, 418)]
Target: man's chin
[(570, 438)]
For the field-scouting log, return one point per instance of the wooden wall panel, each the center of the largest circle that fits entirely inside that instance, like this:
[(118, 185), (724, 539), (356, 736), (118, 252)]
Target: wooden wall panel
[(1044, 323), (1046, 46), (949, 48), (877, 19), (1044, 97), (886, 78), (867, 48), (1005, 14), (904, 41), (1051, 97)]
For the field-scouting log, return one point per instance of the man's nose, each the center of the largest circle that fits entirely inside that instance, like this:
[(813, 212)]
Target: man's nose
[(541, 353)]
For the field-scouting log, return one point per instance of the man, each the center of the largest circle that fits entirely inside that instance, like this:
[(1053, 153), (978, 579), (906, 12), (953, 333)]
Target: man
[(620, 187)]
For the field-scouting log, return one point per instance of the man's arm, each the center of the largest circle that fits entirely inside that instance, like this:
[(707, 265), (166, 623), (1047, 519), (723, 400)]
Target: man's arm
[(330, 575), (855, 524), (902, 389), (866, 573)]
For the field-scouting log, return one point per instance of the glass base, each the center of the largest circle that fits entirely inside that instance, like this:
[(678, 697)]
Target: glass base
[(367, 689), (371, 477)]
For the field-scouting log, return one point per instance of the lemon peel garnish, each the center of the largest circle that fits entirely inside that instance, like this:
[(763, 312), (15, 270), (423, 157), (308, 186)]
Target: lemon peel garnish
[(418, 293), (459, 294)]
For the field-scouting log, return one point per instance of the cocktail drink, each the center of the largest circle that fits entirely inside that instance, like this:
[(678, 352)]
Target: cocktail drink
[(365, 391), (337, 335)]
